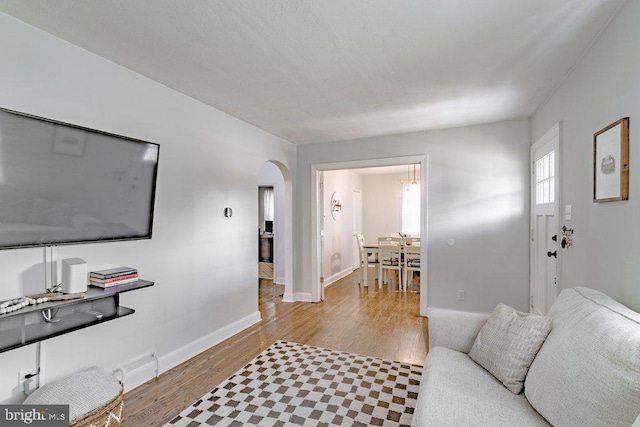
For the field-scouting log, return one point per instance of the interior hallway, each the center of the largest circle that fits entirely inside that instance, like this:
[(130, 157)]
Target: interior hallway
[(370, 321)]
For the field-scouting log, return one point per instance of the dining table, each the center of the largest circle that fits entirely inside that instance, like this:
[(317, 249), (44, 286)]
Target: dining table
[(371, 248), (374, 248)]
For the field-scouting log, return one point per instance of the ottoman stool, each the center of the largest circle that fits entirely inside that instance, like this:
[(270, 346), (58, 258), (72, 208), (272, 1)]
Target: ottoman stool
[(94, 397)]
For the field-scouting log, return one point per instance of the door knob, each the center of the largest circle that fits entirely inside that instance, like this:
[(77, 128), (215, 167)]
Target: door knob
[(555, 238), (552, 254)]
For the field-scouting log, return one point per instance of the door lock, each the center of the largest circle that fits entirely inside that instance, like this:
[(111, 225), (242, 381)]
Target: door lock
[(552, 254)]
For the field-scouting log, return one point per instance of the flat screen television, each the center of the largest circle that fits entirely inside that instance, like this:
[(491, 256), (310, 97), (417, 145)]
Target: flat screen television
[(65, 184)]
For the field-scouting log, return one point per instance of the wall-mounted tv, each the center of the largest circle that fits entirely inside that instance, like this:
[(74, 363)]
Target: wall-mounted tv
[(65, 184)]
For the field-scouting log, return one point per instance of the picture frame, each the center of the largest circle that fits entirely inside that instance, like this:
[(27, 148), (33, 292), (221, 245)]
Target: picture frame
[(69, 141), (611, 162)]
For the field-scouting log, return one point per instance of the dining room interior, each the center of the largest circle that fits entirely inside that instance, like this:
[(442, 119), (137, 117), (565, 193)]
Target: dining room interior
[(372, 203)]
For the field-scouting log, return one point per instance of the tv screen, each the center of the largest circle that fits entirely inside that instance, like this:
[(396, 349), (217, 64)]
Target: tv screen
[(64, 184)]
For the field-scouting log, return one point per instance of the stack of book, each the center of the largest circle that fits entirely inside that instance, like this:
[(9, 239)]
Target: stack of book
[(113, 277)]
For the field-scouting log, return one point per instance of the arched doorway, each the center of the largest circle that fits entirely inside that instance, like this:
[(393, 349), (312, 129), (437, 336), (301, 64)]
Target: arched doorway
[(278, 228)]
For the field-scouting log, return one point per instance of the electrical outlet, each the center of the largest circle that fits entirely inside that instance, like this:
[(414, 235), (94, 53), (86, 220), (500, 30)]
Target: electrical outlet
[(22, 377), (461, 295)]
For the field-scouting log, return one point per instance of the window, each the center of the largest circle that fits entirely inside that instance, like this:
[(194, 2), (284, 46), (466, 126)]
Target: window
[(545, 179), (266, 208), (410, 208), (269, 204)]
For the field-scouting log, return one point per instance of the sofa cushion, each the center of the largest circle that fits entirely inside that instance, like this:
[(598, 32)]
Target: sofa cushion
[(455, 391), (507, 344), (588, 370), (456, 330)]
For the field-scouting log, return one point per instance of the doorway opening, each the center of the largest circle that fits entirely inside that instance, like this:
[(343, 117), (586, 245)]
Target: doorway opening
[(364, 197), (275, 229)]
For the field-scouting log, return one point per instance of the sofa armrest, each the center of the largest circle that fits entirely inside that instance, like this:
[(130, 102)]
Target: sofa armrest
[(456, 330)]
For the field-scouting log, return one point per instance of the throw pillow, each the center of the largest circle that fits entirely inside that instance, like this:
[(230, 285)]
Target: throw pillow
[(507, 344)]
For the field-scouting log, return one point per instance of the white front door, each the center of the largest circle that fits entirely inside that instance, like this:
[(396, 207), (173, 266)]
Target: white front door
[(544, 221)]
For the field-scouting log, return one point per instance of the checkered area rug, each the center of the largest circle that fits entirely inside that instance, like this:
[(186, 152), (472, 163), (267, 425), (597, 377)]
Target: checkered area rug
[(296, 384)]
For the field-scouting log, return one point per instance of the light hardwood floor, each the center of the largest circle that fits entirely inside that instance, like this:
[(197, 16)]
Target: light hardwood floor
[(383, 323)]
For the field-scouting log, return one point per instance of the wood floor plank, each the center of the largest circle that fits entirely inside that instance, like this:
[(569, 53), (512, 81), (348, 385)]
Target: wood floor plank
[(371, 321)]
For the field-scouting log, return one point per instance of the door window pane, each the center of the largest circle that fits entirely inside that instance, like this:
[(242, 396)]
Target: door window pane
[(545, 179)]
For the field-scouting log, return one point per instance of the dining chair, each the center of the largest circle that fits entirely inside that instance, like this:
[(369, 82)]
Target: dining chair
[(365, 261), (389, 258), (411, 258)]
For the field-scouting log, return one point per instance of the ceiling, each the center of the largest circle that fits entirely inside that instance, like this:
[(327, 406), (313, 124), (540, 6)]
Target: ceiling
[(316, 71)]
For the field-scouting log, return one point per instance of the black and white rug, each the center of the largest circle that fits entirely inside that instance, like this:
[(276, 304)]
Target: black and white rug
[(296, 384)]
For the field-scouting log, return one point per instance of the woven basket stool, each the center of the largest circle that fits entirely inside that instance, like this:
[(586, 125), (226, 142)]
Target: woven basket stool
[(94, 397)]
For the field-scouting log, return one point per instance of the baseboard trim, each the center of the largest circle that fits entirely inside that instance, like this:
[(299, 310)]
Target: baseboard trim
[(297, 297), (302, 297), (147, 371), (288, 297), (332, 279), (451, 310)]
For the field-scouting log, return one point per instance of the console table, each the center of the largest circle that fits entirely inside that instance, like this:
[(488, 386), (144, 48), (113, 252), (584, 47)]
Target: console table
[(28, 325)]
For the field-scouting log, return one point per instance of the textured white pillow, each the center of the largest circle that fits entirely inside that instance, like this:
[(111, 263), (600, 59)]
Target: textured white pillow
[(507, 344)]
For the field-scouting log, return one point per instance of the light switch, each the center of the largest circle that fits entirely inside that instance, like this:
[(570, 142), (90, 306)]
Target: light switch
[(567, 212)]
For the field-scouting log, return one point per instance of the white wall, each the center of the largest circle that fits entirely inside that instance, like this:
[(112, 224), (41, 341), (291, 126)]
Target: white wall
[(270, 176), (478, 195), (602, 89), (199, 259), (338, 231), (381, 205)]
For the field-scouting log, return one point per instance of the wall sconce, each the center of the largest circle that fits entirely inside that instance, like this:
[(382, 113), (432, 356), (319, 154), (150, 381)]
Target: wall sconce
[(336, 206)]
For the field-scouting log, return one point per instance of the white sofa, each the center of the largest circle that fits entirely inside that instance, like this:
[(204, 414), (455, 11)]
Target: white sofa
[(587, 372)]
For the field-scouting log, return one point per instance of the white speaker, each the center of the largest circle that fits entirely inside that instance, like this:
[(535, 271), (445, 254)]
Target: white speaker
[(74, 275)]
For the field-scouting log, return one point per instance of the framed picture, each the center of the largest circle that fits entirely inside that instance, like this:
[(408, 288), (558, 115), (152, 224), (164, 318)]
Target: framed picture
[(611, 162), (69, 141)]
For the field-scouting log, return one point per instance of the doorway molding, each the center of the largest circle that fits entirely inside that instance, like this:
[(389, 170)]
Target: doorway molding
[(316, 203)]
